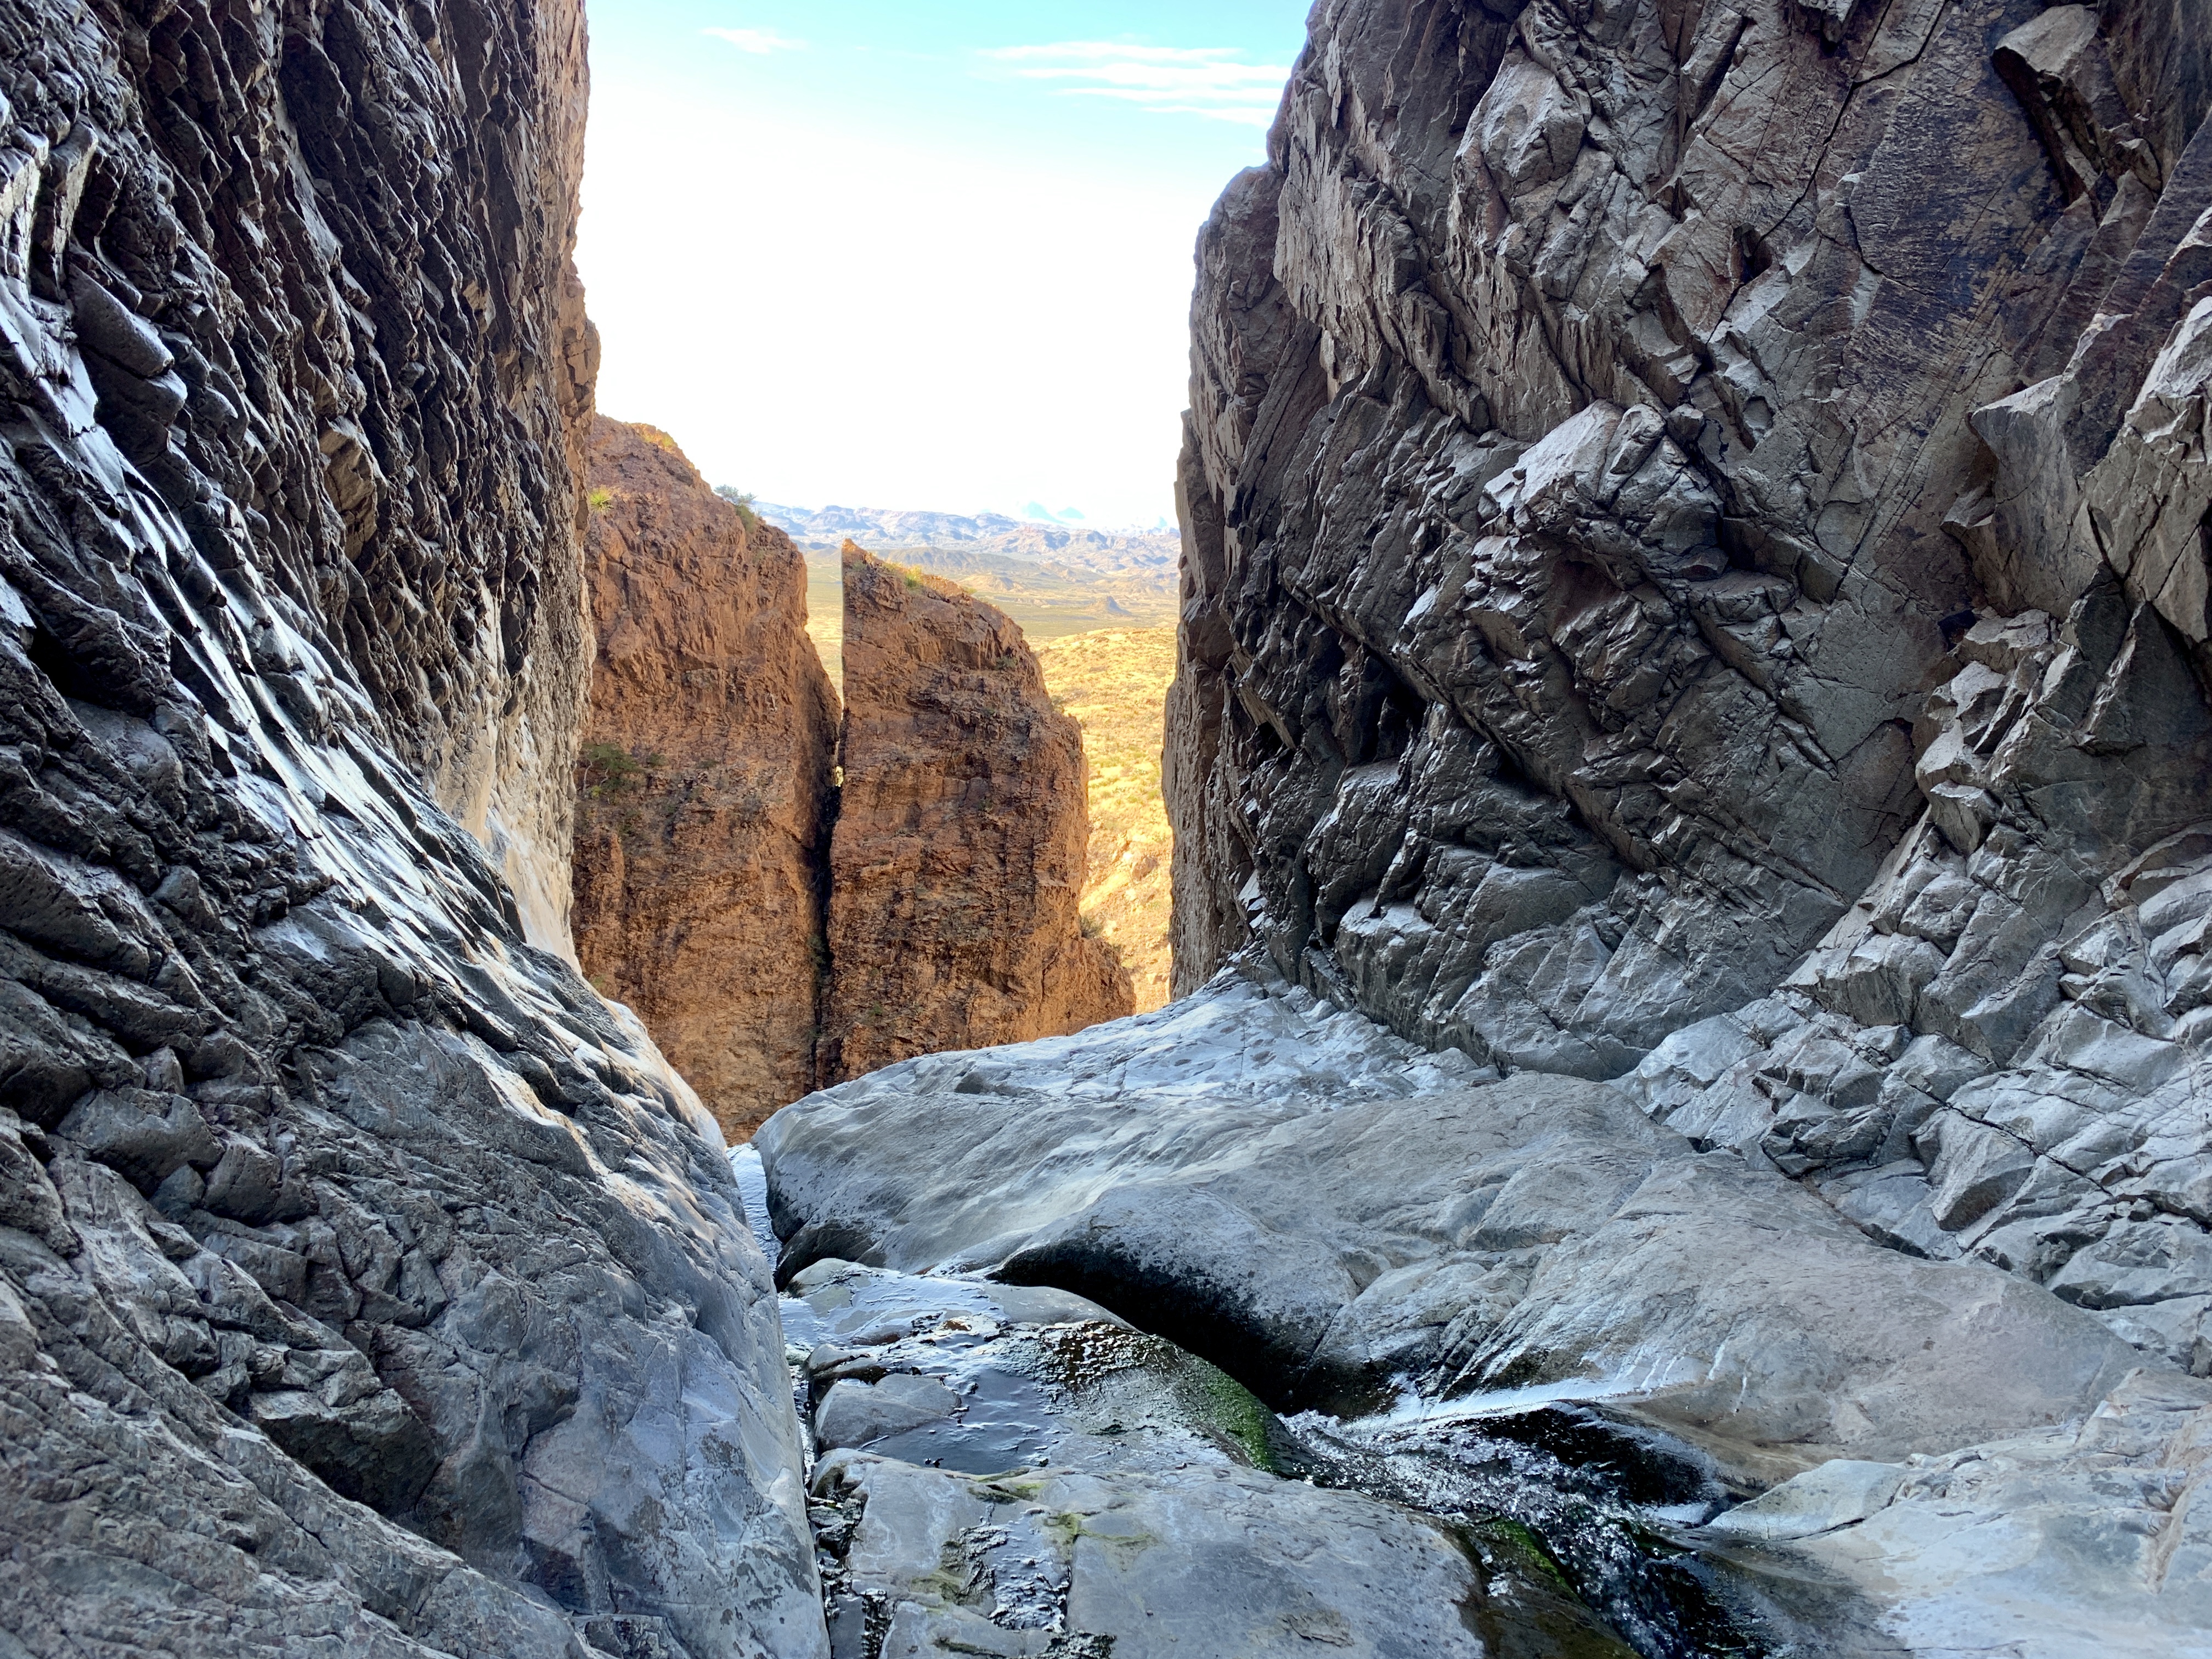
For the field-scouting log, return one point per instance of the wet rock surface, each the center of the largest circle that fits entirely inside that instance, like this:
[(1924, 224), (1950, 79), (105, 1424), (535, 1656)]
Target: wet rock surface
[(1696, 569), (1014, 1469), (956, 864), (705, 800), (1321, 1247), (1519, 1301), (368, 1285)]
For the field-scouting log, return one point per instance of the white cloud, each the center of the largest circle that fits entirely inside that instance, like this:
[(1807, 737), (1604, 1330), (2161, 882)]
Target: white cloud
[(1116, 49), (946, 388), (1204, 81), (758, 42)]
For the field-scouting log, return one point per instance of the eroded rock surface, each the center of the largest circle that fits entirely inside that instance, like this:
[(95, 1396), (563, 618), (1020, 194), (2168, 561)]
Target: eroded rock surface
[(957, 861), (2107, 1530), (705, 798), (1695, 518), (1012, 1469), (1329, 1215), (368, 1285), (1498, 1287)]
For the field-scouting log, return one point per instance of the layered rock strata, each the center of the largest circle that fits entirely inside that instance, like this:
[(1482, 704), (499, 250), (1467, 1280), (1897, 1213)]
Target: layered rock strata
[(366, 1285), (1695, 520), (958, 860), (705, 797)]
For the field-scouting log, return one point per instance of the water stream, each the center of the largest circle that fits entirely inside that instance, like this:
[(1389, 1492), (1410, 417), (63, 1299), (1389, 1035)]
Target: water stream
[(1546, 1495)]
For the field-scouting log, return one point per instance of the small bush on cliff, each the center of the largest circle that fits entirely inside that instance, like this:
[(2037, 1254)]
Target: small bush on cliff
[(600, 498), (742, 500), (605, 769)]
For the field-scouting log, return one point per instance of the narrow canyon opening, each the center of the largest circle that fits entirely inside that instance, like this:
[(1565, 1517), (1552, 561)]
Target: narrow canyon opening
[(1554, 998)]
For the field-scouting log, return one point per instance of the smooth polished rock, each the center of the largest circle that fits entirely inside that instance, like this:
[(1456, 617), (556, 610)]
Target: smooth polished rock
[(2069, 1543), (1538, 1232), (856, 1413), (1829, 1495), (1204, 1560)]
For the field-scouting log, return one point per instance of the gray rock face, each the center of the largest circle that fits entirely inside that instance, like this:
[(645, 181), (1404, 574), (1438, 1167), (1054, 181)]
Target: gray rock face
[(1696, 573), (1012, 1469), (1499, 1288), (368, 1285), (1223, 1561), (1349, 1228), (2107, 1546)]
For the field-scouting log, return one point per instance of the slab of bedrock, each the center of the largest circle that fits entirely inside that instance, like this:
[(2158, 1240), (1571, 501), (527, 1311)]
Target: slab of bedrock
[(1346, 1222), (1010, 1469)]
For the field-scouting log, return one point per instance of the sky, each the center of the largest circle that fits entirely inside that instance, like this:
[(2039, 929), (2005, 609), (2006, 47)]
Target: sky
[(893, 254)]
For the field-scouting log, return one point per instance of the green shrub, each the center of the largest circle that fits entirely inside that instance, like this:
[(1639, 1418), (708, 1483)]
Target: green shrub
[(600, 498), (742, 500), (605, 769)]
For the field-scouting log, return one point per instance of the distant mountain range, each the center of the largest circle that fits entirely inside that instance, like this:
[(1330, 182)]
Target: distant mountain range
[(1067, 549)]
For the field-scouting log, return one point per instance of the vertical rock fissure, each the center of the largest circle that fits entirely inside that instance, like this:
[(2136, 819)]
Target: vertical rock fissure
[(706, 791), (957, 862)]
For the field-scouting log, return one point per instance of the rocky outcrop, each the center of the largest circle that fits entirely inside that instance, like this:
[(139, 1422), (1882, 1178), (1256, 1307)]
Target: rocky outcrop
[(401, 425), (1696, 567), (767, 950), (958, 858), (366, 1283), (705, 797), (1504, 1292), (1326, 1214)]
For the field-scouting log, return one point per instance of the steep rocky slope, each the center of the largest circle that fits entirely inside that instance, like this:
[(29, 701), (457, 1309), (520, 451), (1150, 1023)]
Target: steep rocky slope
[(1697, 559), (366, 1284), (958, 858), (706, 797)]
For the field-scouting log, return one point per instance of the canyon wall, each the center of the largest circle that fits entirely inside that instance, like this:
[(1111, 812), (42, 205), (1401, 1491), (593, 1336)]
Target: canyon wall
[(366, 1282), (705, 797), (1695, 520), (957, 860)]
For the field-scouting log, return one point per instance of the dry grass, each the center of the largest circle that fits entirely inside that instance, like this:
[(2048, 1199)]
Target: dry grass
[(1114, 683), (1044, 605)]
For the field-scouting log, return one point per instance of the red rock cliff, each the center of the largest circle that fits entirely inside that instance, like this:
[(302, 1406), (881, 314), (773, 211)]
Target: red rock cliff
[(958, 858), (704, 782)]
